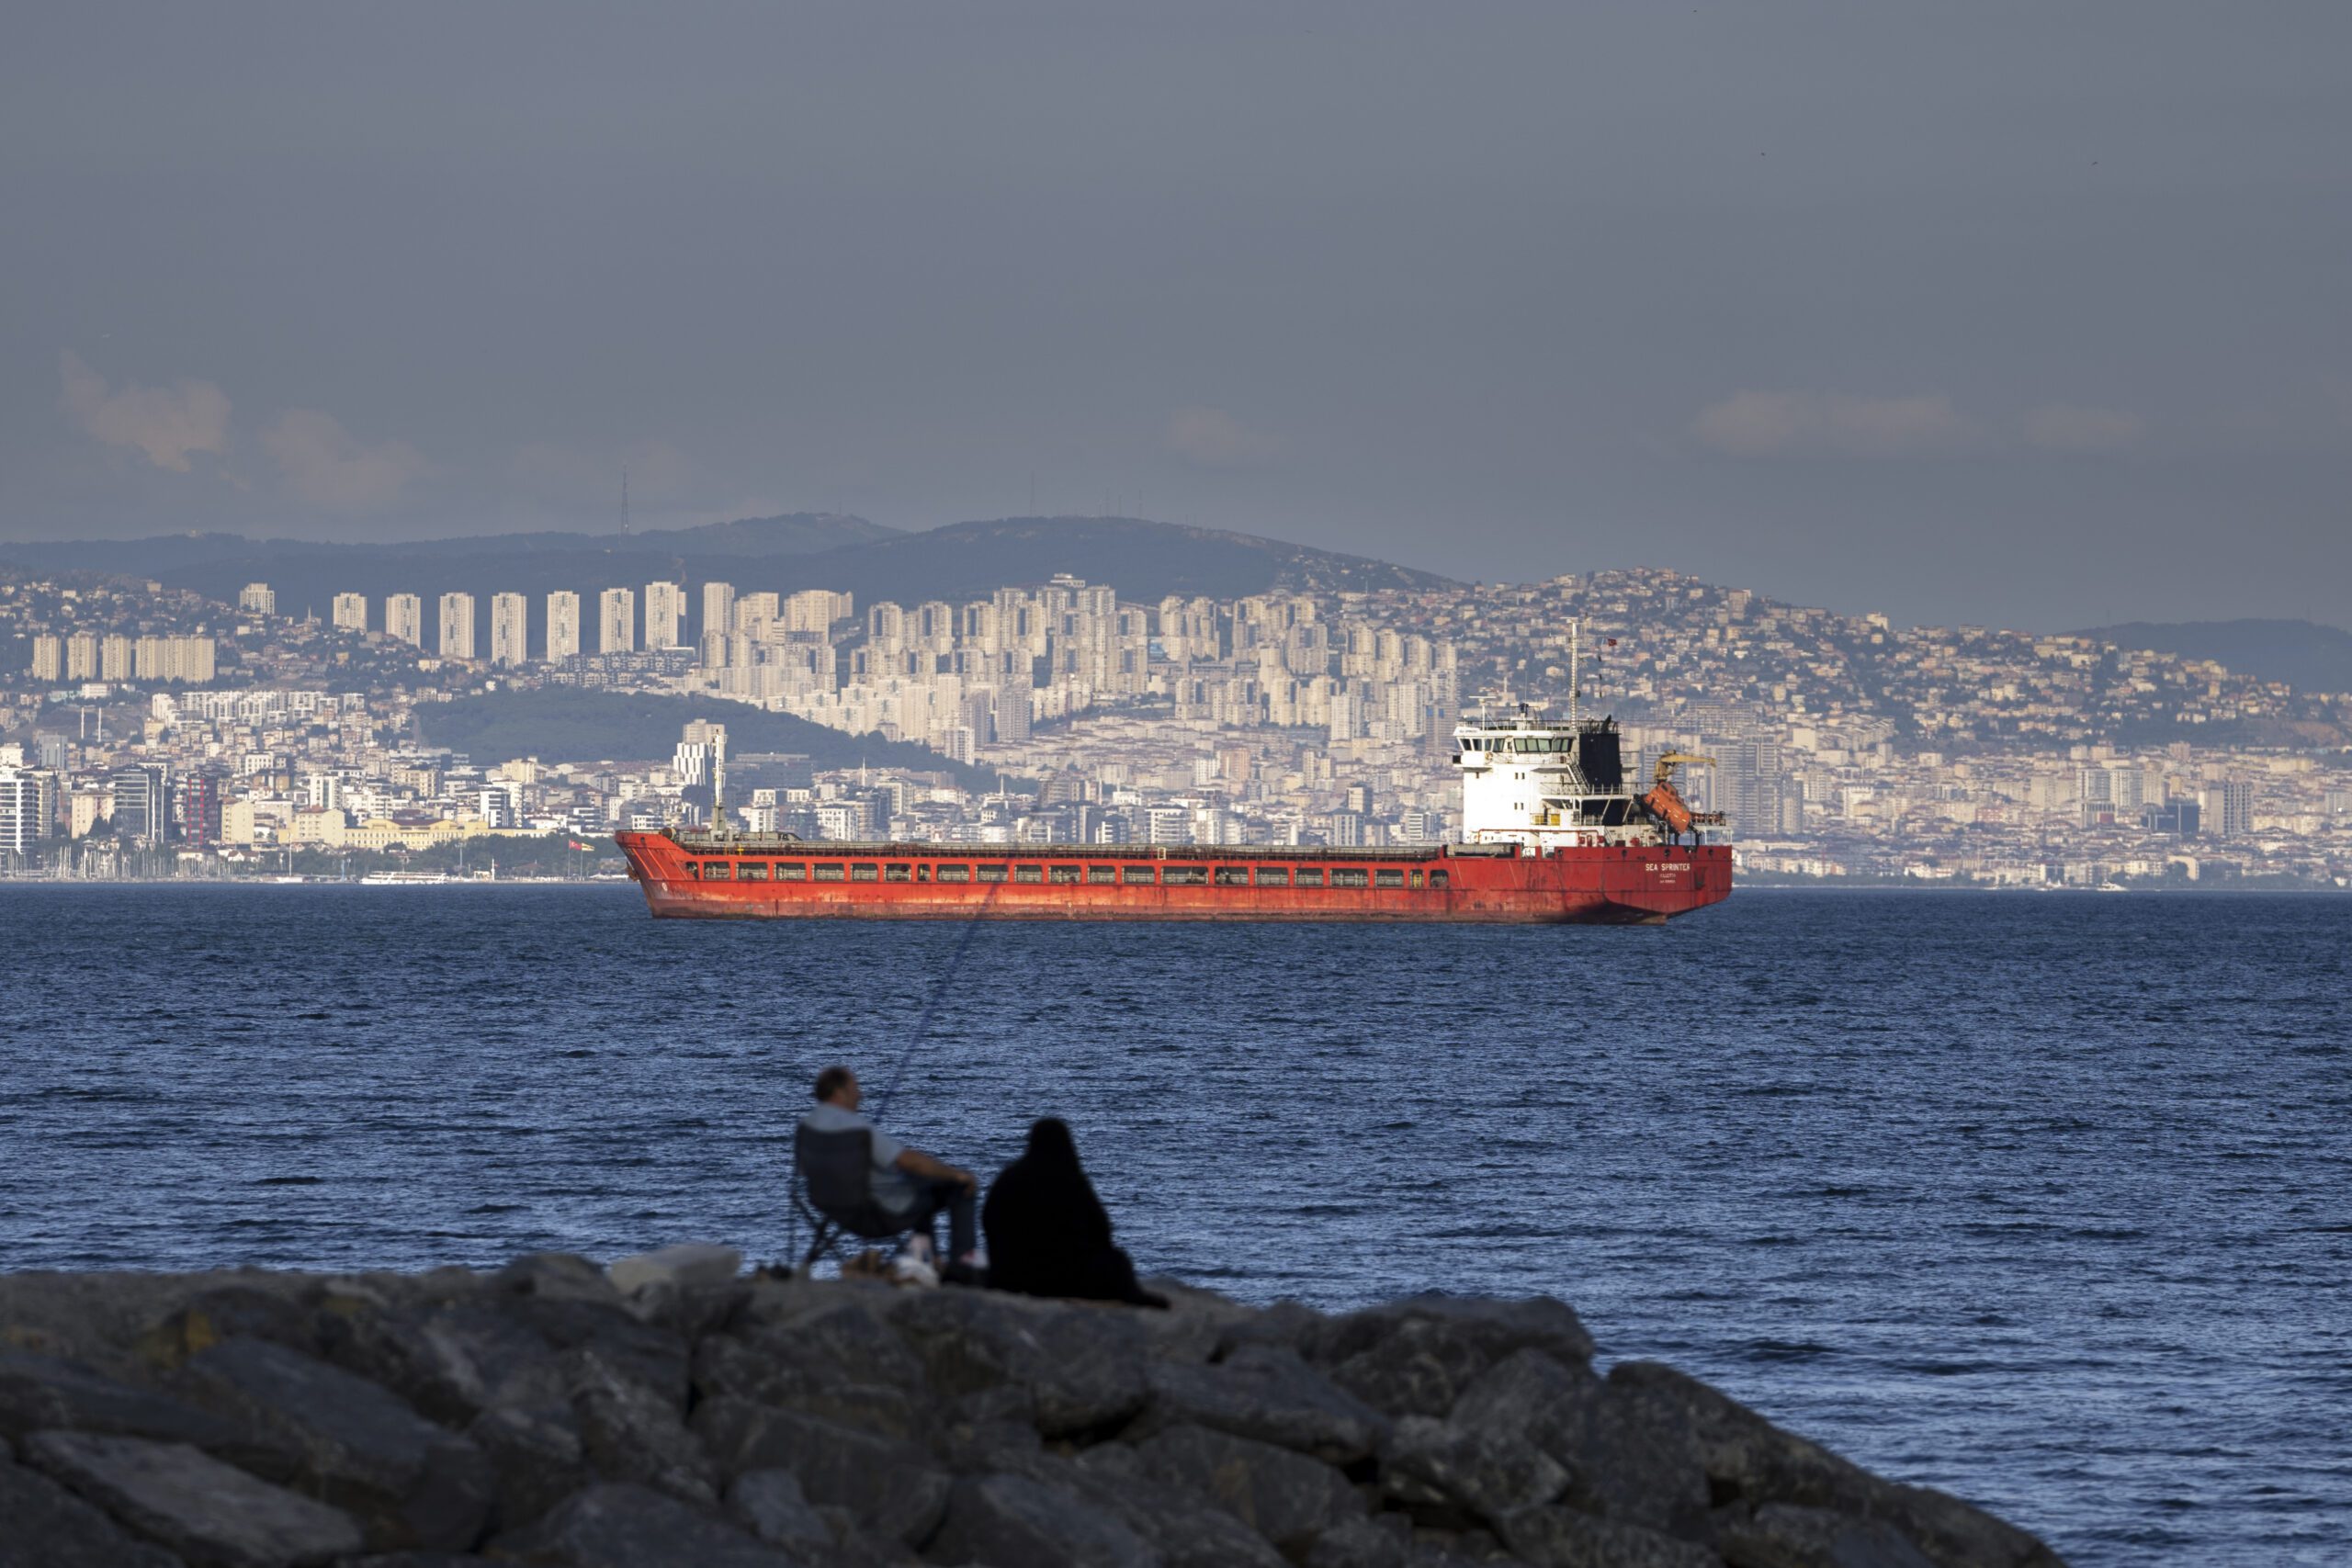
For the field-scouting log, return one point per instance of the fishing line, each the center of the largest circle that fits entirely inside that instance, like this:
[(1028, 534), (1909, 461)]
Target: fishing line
[(931, 1003)]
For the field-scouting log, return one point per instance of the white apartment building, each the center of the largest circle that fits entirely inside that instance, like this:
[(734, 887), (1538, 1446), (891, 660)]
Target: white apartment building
[(563, 623), (816, 609), (458, 626), (616, 621), (404, 618), (186, 659), (257, 599), (718, 610), (351, 612), (665, 615), (28, 808), (510, 621)]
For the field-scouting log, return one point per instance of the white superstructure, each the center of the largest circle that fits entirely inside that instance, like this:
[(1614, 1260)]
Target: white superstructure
[(1546, 783)]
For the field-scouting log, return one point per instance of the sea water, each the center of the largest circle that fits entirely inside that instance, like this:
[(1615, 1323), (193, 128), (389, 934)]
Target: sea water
[(2043, 1199)]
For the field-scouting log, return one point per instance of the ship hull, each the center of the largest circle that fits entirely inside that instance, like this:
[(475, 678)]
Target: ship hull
[(795, 880)]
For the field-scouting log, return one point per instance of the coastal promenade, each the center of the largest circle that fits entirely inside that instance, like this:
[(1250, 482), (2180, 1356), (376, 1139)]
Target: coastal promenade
[(546, 1414)]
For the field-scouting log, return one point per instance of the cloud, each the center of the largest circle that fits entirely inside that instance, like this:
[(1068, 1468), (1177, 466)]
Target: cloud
[(1768, 424), (2065, 427), (166, 425), (324, 466), (1215, 439)]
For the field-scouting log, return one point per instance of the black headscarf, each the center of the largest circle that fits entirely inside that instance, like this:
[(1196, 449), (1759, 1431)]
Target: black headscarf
[(1048, 1235)]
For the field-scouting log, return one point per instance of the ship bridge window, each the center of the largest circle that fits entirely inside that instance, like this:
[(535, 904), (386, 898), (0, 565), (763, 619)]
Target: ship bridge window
[(1388, 878), (1132, 874), (694, 871), (1028, 873), (753, 871), (718, 871), (866, 870), (829, 870), (955, 873), (791, 871), (1350, 877), (897, 873), (1233, 876), (1310, 877), (1098, 874), (1066, 875), (990, 873), (1437, 879), (1273, 877), (1185, 876)]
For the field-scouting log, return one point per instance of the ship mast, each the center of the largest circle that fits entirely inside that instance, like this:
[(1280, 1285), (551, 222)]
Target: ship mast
[(1576, 671)]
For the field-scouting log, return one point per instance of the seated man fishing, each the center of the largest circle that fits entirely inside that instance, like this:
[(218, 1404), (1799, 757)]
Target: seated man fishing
[(907, 1182)]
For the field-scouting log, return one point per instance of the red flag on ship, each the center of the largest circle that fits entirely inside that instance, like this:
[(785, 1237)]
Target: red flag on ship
[(577, 845)]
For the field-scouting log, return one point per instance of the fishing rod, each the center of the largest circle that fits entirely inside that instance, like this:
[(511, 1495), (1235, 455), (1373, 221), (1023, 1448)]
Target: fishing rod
[(931, 1003), (907, 1052)]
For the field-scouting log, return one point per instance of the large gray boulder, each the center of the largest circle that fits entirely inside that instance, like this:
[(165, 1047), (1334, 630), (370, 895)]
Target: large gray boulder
[(455, 1358), (684, 1268), (841, 1360), (1780, 1535), (1436, 1465), (1012, 1521), (1493, 1328), (451, 1359), (209, 1513), (1749, 1460), (1419, 1368), (536, 1456), (1268, 1393), (620, 1526), (1186, 1529), (44, 1526), (1084, 1364), (1284, 1495), (1567, 1538), (558, 1276), (43, 1393), (1363, 1543), (842, 1341), (630, 1433), (644, 1352), (770, 1503), (411, 1482), (1631, 1455), (893, 1489)]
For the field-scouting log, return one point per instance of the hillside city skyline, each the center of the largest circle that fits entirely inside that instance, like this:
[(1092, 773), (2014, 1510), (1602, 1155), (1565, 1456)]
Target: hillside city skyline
[(1064, 711)]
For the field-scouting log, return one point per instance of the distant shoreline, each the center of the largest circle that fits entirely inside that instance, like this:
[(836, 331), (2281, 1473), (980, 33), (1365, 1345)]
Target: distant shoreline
[(11, 882)]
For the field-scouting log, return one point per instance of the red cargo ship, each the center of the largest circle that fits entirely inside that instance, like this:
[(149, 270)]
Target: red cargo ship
[(1554, 835)]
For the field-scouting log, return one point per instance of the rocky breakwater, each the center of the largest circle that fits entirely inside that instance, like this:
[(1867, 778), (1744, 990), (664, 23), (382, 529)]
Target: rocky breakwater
[(543, 1414)]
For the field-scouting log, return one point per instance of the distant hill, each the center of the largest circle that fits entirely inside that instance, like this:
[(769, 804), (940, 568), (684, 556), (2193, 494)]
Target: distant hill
[(308, 573), (1143, 560), (558, 724), (2304, 654)]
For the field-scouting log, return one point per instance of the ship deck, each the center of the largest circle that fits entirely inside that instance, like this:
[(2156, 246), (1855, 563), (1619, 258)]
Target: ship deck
[(770, 845)]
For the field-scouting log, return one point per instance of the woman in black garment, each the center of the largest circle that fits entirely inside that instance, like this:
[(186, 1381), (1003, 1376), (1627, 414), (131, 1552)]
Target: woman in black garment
[(1047, 1233)]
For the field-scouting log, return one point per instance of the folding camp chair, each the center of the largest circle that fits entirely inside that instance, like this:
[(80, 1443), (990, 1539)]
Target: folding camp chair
[(833, 1187)]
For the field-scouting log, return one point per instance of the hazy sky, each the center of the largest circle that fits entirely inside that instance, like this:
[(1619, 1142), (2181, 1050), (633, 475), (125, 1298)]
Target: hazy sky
[(2032, 314)]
